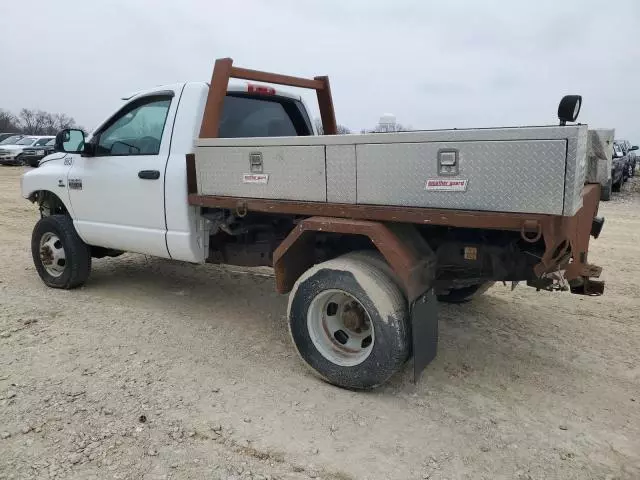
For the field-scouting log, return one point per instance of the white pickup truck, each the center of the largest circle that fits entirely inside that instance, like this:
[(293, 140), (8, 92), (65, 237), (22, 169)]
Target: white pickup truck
[(363, 231)]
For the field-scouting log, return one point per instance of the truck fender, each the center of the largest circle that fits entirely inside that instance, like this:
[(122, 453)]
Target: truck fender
[(402, 246), (49, 203), (49, 181)]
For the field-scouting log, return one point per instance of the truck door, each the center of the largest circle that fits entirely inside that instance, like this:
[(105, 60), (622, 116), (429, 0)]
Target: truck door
[(117, 195)]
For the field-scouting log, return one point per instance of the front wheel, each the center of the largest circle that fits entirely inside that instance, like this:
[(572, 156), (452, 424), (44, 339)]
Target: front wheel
[(61, 258), (348, 320)]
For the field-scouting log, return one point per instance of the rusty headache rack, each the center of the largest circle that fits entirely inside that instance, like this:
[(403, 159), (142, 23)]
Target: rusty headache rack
[(566, 238), (223, 70)]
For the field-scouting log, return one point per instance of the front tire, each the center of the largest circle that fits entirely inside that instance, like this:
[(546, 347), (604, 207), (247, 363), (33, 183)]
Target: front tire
[(348, 321), (61, 258)]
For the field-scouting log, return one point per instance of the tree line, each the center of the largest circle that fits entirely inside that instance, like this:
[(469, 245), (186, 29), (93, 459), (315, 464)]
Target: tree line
[(39, 122), (341, 128), (34, 122), (396, 127)]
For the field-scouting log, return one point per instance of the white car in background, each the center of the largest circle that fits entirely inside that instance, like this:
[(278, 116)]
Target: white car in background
[(11, 154), (10, 138)]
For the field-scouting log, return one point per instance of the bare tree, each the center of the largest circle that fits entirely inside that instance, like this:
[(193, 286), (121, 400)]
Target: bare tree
[(8, 122), (39, 122), (397, 127), (342, 130), (33, 122), (60, 121)]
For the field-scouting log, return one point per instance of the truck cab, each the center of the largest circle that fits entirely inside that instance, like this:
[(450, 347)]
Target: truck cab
[(126, 187)]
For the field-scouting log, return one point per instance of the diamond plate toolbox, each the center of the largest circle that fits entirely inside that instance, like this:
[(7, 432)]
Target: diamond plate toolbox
[(502, 176), (520, 170), (275, 172)]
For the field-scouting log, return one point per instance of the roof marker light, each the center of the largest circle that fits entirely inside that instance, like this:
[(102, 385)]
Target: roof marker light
[(261, 89)]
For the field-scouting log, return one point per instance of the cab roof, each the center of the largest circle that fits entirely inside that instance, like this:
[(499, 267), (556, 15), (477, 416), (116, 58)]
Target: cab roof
[(240, 87)]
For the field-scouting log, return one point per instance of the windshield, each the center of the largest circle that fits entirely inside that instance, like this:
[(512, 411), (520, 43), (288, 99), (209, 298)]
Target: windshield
[(11, 140), (42, 141), (26, 141)]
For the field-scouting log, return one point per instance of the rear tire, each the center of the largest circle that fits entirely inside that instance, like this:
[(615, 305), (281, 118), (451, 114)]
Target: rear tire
[(348, 320), (61, 258), (616, 186), (465, 294)]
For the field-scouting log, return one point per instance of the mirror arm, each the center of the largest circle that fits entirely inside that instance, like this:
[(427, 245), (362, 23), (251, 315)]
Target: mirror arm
[(89, 149)]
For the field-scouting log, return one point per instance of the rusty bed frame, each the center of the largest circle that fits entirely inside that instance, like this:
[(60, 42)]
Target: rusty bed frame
[(566, 239)]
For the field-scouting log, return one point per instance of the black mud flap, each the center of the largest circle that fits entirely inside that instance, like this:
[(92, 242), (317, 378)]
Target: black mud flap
[(424, 332)]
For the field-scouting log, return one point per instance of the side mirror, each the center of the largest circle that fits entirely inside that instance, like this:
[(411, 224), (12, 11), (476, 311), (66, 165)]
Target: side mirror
[(69, 140), (635, 147)]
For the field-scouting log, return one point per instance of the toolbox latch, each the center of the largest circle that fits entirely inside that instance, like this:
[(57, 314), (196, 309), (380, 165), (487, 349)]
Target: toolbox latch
[(448, 161), (255, 162)]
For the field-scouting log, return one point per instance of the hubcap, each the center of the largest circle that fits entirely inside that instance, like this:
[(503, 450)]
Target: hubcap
[(340, 328), (52, 254)]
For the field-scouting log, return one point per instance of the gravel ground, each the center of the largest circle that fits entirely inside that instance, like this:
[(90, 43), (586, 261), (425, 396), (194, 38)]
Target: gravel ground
[(159, 370)]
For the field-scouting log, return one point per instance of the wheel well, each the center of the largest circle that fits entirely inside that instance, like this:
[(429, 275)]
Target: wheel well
[(49, 203), (406, 251)]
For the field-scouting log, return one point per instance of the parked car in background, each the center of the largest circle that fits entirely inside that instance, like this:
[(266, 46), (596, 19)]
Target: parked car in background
[(618, 168), (31, 156), (633, 159), (628, 152), (13, 154), (11, 139), (4, 136)]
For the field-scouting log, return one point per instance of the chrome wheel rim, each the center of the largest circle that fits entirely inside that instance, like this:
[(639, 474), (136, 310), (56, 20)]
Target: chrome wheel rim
[(52, 254), (340, 328)]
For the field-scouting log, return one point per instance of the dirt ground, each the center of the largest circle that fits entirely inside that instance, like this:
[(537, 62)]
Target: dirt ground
[(159, 370)]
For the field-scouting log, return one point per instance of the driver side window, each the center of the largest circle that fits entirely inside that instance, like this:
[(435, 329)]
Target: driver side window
[(136, 130)]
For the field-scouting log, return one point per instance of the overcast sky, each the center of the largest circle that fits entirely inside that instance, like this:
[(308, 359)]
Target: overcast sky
[(433, 64)]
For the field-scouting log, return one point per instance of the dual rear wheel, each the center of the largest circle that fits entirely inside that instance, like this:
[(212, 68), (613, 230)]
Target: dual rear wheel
[(349, 321)]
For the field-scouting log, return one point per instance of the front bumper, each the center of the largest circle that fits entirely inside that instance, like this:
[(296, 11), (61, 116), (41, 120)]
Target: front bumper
[(10, 159)]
